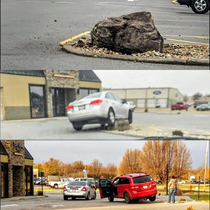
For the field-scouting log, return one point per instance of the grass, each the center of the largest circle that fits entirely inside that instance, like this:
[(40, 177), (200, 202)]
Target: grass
[(201, 197)]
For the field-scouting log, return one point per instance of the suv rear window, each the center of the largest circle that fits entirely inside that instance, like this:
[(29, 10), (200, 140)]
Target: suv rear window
[(142, 179)]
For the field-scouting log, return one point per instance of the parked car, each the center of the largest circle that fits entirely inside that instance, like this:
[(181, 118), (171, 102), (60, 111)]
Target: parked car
[(198, 6), (181, 181), (97, 184), (101, 108), (43, 182), (159, 182), (179, 106), (88, 179), (199, 102), (130, 187), (203, 107), (79, 189), (59, 182), (37, 181)]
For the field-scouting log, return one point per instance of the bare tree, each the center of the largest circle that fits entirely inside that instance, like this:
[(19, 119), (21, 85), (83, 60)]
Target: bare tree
[(197, 96)]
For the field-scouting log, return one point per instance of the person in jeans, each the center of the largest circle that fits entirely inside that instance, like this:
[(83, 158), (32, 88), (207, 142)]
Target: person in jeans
[(172, 186)]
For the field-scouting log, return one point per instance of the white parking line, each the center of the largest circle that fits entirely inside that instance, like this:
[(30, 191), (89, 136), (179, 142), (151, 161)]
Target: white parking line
[(54, 206), (9, 205)]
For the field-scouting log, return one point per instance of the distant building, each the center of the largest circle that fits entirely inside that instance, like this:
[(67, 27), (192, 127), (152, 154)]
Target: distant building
[(39, 94), (162, 97)]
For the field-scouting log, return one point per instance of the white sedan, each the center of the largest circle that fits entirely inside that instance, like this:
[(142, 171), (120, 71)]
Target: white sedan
[(98, 108)]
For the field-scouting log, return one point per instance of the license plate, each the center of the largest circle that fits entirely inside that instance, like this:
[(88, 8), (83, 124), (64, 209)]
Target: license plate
[(81, 107), (145, 187)]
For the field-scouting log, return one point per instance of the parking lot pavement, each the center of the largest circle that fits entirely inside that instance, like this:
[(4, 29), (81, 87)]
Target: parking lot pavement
[(144, 124), (32, 31), (55, 201)]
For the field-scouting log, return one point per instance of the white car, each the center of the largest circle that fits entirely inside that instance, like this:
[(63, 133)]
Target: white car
[(131, 105), (98, 108)]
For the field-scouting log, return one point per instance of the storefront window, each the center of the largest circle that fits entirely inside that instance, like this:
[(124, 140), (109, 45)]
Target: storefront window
[(29, 180), (86, 91), (58, 96), (4, 181), (37, 101)]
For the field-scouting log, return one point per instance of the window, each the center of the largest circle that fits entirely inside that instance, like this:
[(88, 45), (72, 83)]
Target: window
[(37, 101), (110, 96), (124, 181), (117, 99), (142, 179), (87, 91)]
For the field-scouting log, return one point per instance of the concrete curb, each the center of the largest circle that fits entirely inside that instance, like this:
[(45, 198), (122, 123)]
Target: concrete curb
[(200, 62), (23, 198)]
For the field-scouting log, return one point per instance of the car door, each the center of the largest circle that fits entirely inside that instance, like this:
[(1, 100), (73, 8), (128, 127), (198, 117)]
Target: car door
[(122, 186), (112, 102), (105, 188), (123, 108)]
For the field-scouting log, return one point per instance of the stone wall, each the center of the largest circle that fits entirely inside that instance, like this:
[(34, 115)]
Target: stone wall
[(58, 79), (16, 152)]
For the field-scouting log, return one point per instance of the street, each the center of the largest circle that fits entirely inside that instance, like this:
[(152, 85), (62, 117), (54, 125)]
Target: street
[(32, 30), (55, 201), (196, 123)]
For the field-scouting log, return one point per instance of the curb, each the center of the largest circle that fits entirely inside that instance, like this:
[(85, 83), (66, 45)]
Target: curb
[(23, 198), (201, 62)]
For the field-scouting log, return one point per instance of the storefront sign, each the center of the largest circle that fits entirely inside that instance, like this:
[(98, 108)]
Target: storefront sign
[(157, 92), (18, 149), (64, 76)]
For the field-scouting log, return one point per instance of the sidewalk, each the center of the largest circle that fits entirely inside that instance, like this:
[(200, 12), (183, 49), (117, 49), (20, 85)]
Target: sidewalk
[(23, 198)]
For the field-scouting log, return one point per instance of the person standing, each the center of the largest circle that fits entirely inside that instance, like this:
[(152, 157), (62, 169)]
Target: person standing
[(172, 186)]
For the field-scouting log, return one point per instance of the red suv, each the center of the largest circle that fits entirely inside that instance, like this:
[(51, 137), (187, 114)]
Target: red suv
[(130, 187)]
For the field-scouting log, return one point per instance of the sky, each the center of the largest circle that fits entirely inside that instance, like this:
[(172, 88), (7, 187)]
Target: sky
[(187, 81), (105, 151)]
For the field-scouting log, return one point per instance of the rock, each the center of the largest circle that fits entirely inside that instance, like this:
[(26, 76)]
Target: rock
[(82, 43), (133, 33)]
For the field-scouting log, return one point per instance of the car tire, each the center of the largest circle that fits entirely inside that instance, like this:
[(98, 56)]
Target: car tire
[(130, 117), (65, 197), (111, 117), (127, 198), (56, 186), (103, 126), (152, 199), (77, 127), (88, 196), (94, 197), (196, 6), (111, 199)]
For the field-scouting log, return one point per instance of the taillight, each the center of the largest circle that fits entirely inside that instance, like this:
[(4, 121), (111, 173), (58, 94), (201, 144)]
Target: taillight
[(84, 189), (69, 107), (64, 189), (134, 188), (96, 102)]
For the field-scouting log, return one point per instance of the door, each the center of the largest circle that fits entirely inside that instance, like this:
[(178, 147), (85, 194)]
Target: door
[(4, 180), (37, 101), (105, 188), (151, 103), (163, 103), (29, 180), (121, 187), (58, 97), (113, 103), (122, 109), (141, 103)]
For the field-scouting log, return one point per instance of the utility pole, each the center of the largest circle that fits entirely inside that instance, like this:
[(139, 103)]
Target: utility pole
[(207, 147), (167, 179)]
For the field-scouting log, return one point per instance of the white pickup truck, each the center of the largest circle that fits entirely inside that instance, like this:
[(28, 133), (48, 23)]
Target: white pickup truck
[(60, 182)]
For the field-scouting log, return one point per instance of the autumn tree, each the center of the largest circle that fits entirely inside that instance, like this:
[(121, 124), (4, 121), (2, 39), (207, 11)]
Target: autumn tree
[(94, 169), (51, 167), (108, 172), (130, 162), (157, 155)]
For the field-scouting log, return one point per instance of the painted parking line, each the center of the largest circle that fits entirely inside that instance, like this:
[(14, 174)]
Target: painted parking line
[(198, 37), (185, 41), (74, 37), (11, 205)]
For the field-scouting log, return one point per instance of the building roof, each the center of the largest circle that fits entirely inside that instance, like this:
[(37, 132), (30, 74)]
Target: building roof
[(84, 75), (4, 152), (88, 76), (37, 73)]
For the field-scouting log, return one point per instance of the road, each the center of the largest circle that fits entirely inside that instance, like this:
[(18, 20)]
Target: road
[(55, 201), (60, 128), (32, 29)]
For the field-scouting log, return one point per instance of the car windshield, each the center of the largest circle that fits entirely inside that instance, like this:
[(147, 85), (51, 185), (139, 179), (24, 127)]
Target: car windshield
[(77, 184), (142, 179)]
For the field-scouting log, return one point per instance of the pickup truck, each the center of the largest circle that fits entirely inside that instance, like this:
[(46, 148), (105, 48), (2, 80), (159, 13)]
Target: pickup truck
[(179, 106), (61, 183)]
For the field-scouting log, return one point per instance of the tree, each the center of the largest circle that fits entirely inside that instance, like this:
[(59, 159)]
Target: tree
[(51, 167), (130, 162), (156, 155), (94, 169), (185, 99), (109, 172), (197, 96)]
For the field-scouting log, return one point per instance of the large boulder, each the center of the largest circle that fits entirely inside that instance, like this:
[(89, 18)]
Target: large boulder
[(133, 33)]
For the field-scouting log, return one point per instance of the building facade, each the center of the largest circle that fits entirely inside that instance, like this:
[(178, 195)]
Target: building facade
[(149, 97), (16, 169), (40, 94)]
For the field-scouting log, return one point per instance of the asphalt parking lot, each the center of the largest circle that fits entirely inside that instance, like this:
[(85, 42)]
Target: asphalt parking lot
[(33, 29), (196, 123)]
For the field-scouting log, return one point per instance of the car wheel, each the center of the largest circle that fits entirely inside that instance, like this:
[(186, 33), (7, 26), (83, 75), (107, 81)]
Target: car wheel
[(127, 198), (200, 6), (65, 197), (88, 196), (111, 199), (111, 117), (130, 117), (77, 127), (56, 186), (94, 197), (152, 199), (102, 126)]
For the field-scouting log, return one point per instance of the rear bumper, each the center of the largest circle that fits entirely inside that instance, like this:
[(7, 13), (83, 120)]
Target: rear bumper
[(75, 194), (147, 194), (184, 2)]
